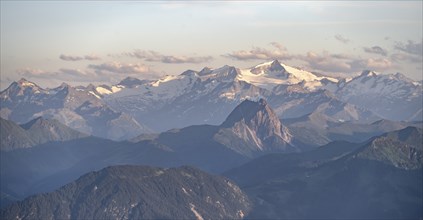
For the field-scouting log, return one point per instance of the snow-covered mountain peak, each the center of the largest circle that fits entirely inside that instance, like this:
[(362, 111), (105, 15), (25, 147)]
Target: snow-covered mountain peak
[(25, 83), (205, 71), (270, 74), (64, 85), (272, 66), (223, 74), (368, 73), (21, 88), (131, 82)]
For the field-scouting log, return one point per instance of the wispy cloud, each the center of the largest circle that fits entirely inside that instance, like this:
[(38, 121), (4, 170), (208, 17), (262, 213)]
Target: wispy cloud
[(63, 74), (257, 53), (410, 47), (117, 67), (109, 72), (376, 50), (402, 56), (70, 58), (78, 58), (326, 62), (342, 39), (92, 57), (344, 63), (408, 52), (154, 56)]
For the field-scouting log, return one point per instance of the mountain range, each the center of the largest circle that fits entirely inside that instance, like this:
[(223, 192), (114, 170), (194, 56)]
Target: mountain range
[(134, 106), (290, 143)]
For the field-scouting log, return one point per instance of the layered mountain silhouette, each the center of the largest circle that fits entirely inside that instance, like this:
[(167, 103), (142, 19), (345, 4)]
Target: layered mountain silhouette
[(35, 132), (79, 108), (138, 192), (380, 178), (212, 148)]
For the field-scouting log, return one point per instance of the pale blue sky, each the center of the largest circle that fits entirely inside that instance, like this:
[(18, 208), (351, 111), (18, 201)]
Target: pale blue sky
[(102, 42)]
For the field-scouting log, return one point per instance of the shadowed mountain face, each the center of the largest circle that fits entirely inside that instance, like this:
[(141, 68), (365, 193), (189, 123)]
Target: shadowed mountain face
[(256, 128), (35, 132), (138, 192), (379, 179)]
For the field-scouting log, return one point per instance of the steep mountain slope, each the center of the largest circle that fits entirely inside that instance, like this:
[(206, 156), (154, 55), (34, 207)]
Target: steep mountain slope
[(393, 96), (380, 178), (402, 149), (255, 127), (35, 132), (12, 136), (138, 192), (78, 108)]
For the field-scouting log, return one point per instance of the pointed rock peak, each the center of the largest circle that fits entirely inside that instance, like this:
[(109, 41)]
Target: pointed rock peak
[(38, 120), (276, 66), (25, 83), (64, 85), (273, 66), (189, 73), (22, 80), (403, 77), (248, 110), (262, 102), (205, 71), (368, 73), (131, 82), (91, 87)]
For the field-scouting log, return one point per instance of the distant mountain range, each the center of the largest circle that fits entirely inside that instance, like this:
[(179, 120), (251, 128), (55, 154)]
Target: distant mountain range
[(77, 108), (134, 106), (138, 192)]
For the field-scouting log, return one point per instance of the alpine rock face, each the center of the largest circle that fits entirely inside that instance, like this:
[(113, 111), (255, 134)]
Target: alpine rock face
[(256, 128), (77, 108), (393, 96)]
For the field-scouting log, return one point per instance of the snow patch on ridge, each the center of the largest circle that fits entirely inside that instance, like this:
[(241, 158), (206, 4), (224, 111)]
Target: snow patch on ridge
[(197, 215)]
